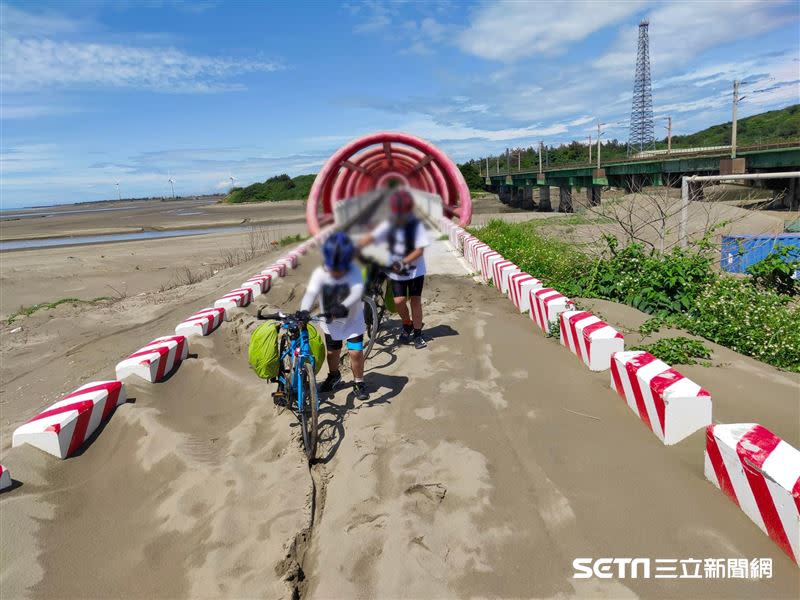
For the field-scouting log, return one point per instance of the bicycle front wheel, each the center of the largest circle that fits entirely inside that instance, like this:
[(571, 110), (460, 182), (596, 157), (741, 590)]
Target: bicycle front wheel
[(308, 414), (372, 320)]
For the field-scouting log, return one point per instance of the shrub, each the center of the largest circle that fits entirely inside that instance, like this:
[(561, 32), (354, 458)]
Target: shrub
[(655, 284), (776, 270), (758, 323), (677, 350)]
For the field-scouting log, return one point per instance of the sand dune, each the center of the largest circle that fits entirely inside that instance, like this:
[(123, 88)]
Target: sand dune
[(462, 476)]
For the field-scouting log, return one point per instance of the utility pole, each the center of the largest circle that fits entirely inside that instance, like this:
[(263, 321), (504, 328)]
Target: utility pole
[(669, 135), (733, 123), (590, 149), (519, 159), (497, 164), (599, 133), (508, 161), (541, 144), (487, 166)]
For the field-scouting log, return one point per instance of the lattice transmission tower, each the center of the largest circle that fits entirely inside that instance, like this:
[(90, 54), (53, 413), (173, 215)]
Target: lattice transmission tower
[(642, 134)]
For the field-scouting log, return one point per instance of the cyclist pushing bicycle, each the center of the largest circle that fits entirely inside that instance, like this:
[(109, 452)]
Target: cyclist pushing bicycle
[(337, 286), (407, 239)]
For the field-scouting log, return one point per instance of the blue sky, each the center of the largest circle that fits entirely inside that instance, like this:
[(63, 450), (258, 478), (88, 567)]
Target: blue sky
[(95, 93)]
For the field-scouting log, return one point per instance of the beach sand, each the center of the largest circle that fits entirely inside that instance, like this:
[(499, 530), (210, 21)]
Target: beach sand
[(480, 466)]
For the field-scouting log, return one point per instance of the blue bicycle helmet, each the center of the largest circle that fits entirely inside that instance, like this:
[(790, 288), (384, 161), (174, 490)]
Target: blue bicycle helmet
[(338, 251)]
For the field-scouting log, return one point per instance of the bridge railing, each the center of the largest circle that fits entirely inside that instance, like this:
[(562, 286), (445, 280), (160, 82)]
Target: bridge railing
[(676, 153)]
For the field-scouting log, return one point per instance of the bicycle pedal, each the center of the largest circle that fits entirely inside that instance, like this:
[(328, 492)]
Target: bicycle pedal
[(279, 398)]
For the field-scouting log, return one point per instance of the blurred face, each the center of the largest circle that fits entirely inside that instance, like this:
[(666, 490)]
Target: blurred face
[(338, 274)]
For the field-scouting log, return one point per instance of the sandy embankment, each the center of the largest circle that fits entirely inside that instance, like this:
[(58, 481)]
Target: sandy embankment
[(464, 475)]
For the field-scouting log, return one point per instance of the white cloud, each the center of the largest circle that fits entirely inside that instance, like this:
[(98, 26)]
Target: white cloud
[(681, 31), (33, 64), (511, 30)]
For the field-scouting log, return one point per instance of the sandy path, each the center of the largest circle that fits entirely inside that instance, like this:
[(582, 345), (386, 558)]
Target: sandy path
[(466, 476), (462, 476)]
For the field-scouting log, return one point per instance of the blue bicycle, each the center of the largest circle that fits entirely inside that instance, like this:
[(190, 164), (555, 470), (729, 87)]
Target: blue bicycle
[(297, 383)]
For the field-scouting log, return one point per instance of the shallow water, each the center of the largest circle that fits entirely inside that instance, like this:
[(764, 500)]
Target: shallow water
[(113, 237)]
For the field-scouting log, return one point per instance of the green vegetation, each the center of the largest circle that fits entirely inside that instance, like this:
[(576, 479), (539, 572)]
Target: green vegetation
[(677, 350), (274, 189), (471, 176), (679, 287), (291, 239), (775, 125), (27, 311)]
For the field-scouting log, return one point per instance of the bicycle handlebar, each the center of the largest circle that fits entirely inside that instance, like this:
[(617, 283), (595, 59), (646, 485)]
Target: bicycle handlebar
[(279, 316), (370, 262)]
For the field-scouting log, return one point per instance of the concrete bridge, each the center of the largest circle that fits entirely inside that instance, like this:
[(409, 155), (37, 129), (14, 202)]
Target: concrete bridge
[(531, 189)]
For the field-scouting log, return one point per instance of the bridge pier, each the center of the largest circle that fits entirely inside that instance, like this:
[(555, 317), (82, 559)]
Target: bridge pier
[(793, 194), (593, 195), (544, 199), (527, 198), (565, 199), (504, 193)]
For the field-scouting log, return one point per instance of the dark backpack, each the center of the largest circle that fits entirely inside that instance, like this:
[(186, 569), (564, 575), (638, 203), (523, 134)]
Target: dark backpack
[(410, 235)]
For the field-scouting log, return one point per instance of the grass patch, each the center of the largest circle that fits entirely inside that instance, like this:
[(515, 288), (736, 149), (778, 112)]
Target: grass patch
[(679, 288), (27, 311), (677, 350), (290, 239)]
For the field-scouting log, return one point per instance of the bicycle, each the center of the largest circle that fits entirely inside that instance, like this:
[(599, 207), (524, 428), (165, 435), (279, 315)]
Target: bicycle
[(297, 382), (374, 298)]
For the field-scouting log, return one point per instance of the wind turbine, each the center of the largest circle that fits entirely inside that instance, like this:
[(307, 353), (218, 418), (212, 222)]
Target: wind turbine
[(233, 181), (172, 184), (119, 194)]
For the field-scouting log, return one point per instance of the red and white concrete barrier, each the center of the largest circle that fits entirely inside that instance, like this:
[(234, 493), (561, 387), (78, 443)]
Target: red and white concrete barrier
[(476, 255), (235, 299), (761, 474), (488, 259), (278, 269), (520, 286), (288, 261), (471, 244), (258, 284), (545, 305), (202, 322), (156, 360), (671, 405), (502, 270), (461, 238), (66, 425), (5, 478), (590, 339)]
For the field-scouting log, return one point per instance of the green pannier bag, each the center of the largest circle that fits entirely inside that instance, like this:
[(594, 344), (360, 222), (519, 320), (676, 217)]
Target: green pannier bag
[(388, 298), (263, 350)]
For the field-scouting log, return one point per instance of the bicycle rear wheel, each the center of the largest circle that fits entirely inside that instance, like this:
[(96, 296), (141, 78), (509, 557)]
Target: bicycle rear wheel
[(308, 415), (372, 319)]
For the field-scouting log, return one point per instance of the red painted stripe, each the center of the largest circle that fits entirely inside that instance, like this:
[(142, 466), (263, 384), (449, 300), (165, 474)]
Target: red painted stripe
[(587, 337), (163, 352), (796, 494), (546, 312), (573, 326), (720, 470), (111, 387), (658, 385), (84, 409), (631, 367), (766, 506)]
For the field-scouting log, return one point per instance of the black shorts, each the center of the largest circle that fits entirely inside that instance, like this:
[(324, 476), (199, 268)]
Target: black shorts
[(354, 343), (408, 288)]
